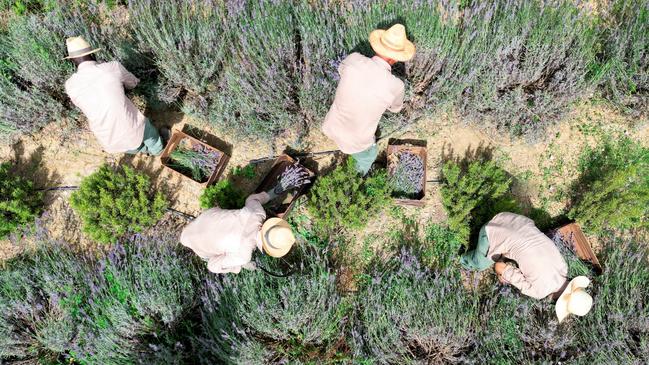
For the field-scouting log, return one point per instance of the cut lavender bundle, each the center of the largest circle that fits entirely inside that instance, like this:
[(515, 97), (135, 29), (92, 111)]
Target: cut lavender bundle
[(407, 174), (293, 177), (197, 160)]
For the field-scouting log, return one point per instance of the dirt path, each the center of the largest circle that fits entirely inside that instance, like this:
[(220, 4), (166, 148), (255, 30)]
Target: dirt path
[(63, 158)]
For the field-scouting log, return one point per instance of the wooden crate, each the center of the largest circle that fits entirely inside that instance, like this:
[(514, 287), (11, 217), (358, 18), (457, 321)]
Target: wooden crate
[(572, 233), (175, 139), (281, 163), (397, 147)]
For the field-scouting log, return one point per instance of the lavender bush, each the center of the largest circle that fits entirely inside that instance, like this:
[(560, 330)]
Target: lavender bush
[(185, 38), (409, 314), (252, 317), (41, 296), (143, 292), (625, 72)]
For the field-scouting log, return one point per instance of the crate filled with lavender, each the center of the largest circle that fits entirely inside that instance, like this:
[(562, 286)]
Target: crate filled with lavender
[(193, 158), (407, 173), (289, 179)]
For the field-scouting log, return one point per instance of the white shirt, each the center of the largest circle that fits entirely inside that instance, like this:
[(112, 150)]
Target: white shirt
[(98, 90), (226, 238)]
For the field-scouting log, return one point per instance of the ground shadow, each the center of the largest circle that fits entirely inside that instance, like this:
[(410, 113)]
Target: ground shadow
[(33, 168), (209, 138), (149, 166)]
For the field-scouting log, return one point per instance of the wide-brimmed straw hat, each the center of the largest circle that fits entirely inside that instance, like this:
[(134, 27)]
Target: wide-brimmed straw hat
[(392, 43), (78, 47), (277, 237), (574, 299)]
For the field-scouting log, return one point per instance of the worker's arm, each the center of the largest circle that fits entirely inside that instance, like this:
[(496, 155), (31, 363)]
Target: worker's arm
[(397, 103), (227, 263), (515, 277), (128, 79)]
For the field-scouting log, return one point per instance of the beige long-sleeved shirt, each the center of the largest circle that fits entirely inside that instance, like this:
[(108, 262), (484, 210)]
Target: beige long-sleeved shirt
[(541, 268), (226, 238), (365, 90), (98, 90)]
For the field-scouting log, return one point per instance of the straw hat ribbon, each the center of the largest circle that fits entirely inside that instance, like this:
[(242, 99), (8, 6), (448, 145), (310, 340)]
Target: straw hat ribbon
[(574, 299), (392, 43), (277, 237), (78, 47)]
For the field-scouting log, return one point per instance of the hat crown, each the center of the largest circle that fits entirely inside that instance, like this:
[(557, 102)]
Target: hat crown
[(76, 43), (280, 237), (579, 302), (395, 37)]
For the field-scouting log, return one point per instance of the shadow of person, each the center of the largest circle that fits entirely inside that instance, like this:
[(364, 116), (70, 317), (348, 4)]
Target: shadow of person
[(208, 138), (32, 167)]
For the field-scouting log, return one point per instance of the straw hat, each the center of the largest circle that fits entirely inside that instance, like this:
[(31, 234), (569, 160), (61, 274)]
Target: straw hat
[(574, 300), (78, 47), (277, 237), (392, 43)]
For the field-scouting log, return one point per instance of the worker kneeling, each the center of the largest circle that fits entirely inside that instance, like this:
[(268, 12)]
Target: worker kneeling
[(226, 238), (540, 269)]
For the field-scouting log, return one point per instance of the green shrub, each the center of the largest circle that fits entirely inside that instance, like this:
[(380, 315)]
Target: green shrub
[(224, 195), (114, 202), (408, 314), (20, 203), (254, 318), (344, 200), (473, 191), (613, 188)]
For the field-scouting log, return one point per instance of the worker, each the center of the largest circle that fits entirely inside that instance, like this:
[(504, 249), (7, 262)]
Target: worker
[(98, 90), (226, 238), (539, 269), (365, 90)]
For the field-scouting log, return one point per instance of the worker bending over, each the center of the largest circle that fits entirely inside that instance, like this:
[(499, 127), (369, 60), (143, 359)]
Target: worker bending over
[(98, 90), (539, 268), (226, 238), (365, 90)]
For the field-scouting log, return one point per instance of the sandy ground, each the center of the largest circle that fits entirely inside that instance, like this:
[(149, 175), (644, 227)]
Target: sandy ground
[(63, 156)]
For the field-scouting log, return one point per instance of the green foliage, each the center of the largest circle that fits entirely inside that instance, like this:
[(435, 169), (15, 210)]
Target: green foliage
[(441, 246), (409, 314), (473, 191), (613, 188), (254, 318), (114, 202), (344, 200), (224, 195), (247, 171), (20, 203)]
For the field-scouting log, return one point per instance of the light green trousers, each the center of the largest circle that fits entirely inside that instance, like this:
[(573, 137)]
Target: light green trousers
[(151, 142), (365, 159)]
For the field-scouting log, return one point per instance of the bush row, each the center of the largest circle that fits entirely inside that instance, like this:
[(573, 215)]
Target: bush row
[(260, 67), (148, 301)]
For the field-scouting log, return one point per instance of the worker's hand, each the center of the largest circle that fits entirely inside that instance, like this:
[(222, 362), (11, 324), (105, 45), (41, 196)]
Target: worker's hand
[(500, 267)]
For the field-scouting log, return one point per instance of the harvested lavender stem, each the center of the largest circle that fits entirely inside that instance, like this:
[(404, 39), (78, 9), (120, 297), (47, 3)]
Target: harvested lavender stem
[(197, 160), (407, 174), (576, 266), (293, 177)]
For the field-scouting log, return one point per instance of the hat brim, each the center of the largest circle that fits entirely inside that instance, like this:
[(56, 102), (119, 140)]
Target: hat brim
[(406, 54), (83, 54), (561, 307), (268, 249)]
